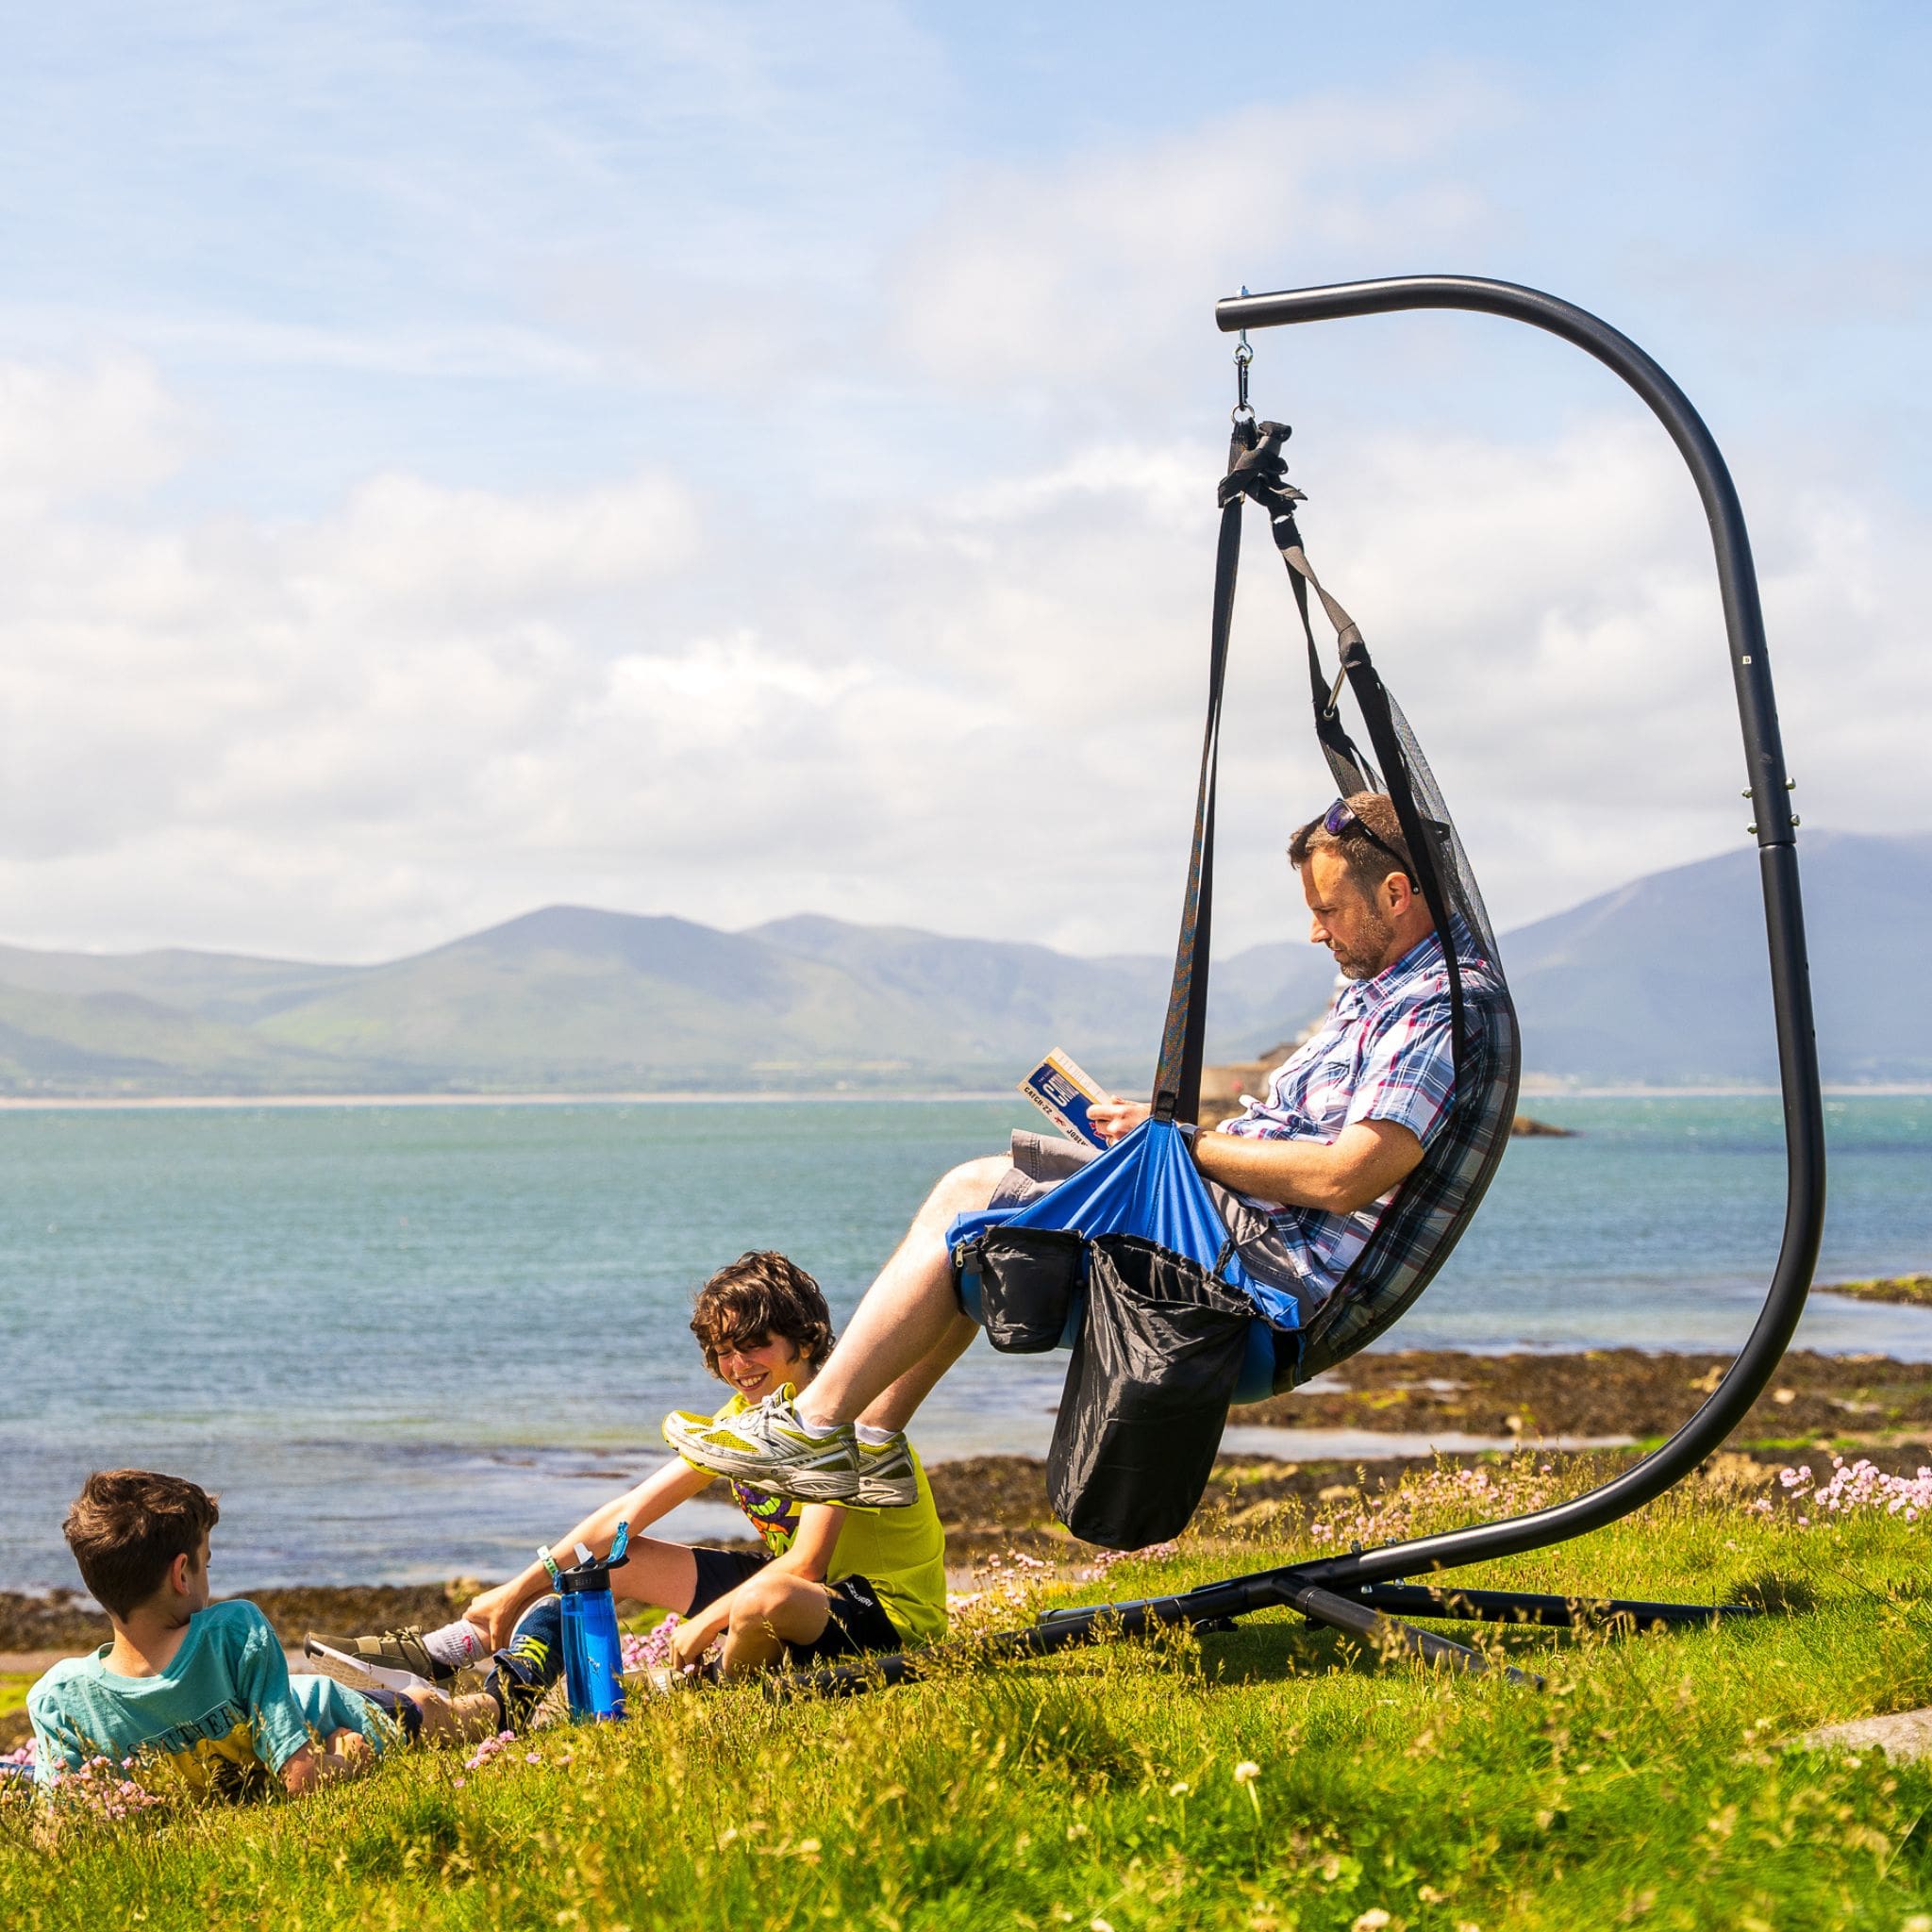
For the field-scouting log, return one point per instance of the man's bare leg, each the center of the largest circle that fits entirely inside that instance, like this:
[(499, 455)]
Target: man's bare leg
[(900, 1403), (908, 1329)]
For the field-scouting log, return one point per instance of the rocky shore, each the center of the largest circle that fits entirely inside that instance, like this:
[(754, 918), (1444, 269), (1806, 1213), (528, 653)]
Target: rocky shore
[(1868, 1404)]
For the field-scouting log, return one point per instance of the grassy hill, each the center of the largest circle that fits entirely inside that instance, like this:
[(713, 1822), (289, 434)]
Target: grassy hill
[(1663, 981)]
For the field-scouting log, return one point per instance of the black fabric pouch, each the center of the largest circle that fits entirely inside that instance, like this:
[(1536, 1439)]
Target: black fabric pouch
[(1154, 1370), (1028, 1278)]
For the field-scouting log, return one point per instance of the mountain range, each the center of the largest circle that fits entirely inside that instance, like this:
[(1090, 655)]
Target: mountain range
[(1662, 981)]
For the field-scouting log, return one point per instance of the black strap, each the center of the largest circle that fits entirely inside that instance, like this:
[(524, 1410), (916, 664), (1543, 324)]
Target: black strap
[(1373, 701), (1260, 473), (1255, 470), (1177, 1079), (1351, 771)]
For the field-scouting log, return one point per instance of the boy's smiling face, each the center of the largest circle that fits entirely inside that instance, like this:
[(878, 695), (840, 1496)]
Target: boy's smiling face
[(759, 1369)]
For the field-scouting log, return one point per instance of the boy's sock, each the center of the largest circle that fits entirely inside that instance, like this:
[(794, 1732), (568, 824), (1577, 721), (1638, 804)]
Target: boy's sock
[(877, 1438), (458, 1644)]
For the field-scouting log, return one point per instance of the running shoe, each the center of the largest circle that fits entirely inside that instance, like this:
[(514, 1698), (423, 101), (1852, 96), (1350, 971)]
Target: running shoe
[(886, 1475), (396, 1660), (770, 1447)]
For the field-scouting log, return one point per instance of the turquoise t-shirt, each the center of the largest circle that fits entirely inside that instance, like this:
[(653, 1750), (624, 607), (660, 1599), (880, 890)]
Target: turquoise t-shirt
[(225, 1715)]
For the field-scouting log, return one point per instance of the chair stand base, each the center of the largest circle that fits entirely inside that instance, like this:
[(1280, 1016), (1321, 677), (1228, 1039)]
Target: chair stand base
[(1371, 1612)]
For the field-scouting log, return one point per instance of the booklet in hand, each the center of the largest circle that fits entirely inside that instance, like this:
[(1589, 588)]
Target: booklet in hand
[(1063, 1093)]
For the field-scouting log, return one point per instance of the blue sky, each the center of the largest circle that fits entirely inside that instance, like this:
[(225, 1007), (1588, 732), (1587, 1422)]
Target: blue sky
[(739, 459)]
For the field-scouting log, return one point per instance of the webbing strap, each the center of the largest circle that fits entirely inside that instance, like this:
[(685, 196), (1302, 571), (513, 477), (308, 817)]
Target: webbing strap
[(1373, 700), (1177, 1079), (1351, 771)]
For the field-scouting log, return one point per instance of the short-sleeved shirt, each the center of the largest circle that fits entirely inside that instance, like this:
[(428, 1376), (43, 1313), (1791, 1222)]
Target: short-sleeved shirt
[(1385, 1052), (900, 1552), (225, 1716)]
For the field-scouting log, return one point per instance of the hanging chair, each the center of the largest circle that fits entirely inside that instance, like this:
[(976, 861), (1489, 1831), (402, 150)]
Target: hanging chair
[(1131, 1262), (1138, 1230)]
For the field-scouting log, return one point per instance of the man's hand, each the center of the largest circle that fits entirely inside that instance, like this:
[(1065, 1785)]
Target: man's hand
[(1114, 1119)]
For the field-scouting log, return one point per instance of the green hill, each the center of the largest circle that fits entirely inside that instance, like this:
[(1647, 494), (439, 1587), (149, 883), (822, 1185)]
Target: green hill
[(1663, 981)]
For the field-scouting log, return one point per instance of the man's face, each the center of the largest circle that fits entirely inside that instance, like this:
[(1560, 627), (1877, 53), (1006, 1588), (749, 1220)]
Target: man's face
[(1343, 918)]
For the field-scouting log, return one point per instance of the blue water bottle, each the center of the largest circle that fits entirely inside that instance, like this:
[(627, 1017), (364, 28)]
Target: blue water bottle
[(593, 1654)]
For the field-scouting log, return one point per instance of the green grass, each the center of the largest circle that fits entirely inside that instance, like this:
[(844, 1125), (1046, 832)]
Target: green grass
[(1915, 1291), (14, 1690), (1642, 1786)]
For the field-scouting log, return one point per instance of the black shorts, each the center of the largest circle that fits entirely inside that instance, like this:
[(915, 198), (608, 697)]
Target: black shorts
[(719, 1570), (857, 1623)]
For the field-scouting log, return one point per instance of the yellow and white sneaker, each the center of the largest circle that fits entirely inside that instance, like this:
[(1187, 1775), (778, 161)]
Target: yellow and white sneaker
[(771, 1446), (886, 1477)]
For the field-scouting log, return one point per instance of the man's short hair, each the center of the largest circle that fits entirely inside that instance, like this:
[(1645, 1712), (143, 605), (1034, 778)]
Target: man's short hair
[(760, 1295), (1368, 863), (128, 1525)]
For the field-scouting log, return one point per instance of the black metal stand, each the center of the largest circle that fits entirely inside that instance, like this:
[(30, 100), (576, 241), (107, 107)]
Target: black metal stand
[(1360, 1591)]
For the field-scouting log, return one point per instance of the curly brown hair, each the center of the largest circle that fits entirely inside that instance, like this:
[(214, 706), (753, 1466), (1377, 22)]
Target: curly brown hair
[(760, 1295), (128, 1525)]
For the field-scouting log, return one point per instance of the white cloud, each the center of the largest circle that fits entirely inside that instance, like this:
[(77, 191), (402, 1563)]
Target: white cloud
[(971, 708), (65, 434), (1099, 269), (879, 665)]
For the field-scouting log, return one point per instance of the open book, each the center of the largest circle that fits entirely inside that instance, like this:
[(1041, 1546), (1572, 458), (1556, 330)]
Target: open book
[(1063, 1092)]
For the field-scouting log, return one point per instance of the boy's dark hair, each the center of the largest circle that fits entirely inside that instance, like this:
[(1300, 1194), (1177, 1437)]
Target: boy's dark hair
[(128, 1524), (761, 1295)]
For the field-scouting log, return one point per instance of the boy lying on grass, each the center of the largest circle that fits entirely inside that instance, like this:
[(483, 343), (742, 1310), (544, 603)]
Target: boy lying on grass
[(196, 1690), (830, 1582)]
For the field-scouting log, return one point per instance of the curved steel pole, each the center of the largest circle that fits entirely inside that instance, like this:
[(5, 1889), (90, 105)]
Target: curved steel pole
[(1804, 1107)]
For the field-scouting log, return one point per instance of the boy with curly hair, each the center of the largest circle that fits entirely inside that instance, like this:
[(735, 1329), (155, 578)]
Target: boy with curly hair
[(830, 1581)]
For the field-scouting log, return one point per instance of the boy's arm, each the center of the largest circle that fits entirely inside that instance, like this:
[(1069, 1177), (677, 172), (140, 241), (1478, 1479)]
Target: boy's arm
[(278, 1729), (498, 1609), (810, 1557), (309, 1769)]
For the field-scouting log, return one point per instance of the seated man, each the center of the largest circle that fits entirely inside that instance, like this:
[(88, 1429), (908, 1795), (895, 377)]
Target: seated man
[(1345, 1119)]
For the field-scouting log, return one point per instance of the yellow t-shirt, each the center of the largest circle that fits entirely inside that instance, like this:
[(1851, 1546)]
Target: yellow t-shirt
[(901, 1552)]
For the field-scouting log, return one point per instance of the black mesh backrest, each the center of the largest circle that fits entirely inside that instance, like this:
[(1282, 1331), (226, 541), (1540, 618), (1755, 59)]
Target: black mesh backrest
[(1421, 1226)]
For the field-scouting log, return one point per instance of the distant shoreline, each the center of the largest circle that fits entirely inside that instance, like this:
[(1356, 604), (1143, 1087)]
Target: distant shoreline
[(92, 1103)]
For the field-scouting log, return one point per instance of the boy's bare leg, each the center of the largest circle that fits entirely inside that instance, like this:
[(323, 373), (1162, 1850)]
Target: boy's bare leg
[(663, 1575), (464, 1720), (767, 1612), (909, 1324)]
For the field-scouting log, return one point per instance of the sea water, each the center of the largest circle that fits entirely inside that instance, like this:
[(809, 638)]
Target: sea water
[(411, 1341)]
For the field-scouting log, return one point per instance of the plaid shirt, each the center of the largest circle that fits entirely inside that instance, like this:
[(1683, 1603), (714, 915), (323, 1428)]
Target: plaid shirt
[(1384, 1053)]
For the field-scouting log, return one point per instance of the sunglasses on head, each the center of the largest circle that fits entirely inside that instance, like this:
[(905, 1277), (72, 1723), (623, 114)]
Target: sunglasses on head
[(1338, 820)]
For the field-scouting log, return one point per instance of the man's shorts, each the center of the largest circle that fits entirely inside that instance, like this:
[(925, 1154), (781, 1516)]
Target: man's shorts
[(857, 1623), (1042, 1161)]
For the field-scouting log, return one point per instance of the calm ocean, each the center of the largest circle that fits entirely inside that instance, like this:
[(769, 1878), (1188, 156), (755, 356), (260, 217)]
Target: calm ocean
[(411, 1341)]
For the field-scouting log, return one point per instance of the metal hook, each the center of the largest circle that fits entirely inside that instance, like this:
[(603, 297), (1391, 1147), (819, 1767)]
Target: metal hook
[(1244, 354)]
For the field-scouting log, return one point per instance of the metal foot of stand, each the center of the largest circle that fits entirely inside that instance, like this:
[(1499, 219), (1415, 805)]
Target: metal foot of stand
[(1554, 1612), (1371, 1611), (1358, 1618)]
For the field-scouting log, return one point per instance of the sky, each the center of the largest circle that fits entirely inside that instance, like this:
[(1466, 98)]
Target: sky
[(736, 460)]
